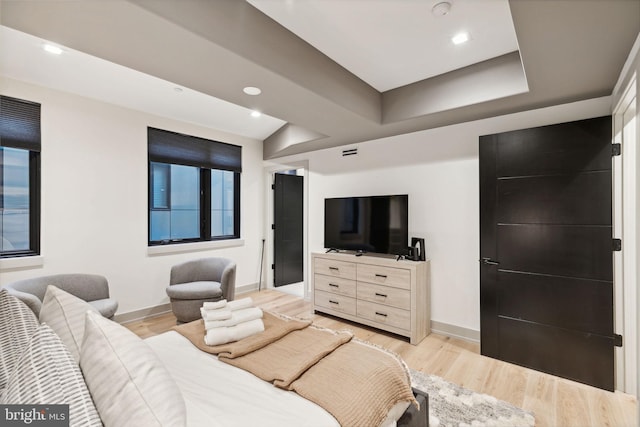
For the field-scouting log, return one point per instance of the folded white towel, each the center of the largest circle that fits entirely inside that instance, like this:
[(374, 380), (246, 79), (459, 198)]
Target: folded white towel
[(239, 304), (219, 336), (219, 314), (237, 317), (227, 306), (214, 305)]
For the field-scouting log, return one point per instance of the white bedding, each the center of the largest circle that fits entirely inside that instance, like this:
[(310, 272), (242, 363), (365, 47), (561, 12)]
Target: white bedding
[(217, 394)]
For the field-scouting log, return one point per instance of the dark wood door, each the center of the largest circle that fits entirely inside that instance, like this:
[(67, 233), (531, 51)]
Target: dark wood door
[(288, 229), (546, 268)]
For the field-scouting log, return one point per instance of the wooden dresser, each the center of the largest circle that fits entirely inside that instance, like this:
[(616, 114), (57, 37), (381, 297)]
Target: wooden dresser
[(374, 290)]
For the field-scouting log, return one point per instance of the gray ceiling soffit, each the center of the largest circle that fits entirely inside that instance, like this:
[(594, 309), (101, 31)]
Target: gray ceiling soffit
[(130, 35), (127, 34), (570, 49), (242, 29), (496, 78), (290, 135)]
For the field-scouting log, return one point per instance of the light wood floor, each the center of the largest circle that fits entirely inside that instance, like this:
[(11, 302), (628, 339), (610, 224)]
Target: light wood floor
[(556, 402)]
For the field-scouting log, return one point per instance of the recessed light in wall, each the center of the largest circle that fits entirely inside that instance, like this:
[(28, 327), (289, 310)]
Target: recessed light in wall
[(255, 113), (460, 38), (251, 90), (48, 47)]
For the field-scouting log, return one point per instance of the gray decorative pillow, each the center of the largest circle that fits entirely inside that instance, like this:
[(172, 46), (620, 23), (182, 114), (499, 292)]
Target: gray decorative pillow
[(128, 383), (64, 313), (17, 325), (46, 374)]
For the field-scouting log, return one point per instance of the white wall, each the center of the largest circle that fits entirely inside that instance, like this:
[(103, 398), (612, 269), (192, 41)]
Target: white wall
[(439, 170), (94, 197)]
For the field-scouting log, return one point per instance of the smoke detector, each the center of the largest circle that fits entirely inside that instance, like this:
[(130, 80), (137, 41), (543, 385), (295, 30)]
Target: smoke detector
[(441, 9)]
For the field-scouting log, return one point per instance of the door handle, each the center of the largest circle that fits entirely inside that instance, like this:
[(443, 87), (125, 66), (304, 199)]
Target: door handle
[(489, 261)]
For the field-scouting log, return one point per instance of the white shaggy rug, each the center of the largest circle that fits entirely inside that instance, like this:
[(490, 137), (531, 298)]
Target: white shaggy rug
[(453, 406)]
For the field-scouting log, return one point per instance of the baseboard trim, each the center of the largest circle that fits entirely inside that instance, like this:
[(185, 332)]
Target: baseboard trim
[(454, 331), (158, 310), (246, 288), (441, 328), (143, 313)]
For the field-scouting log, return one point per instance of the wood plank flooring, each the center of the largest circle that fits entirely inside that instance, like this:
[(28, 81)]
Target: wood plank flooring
[(555, 401)]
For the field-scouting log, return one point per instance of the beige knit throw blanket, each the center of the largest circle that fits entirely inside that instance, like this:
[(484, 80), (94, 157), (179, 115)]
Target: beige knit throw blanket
[(286, 359), (275, 327), (356, 382)]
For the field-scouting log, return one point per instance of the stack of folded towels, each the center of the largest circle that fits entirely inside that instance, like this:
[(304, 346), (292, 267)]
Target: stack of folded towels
[(226, 322)]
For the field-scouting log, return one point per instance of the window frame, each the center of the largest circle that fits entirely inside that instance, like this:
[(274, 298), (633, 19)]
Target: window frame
[(205, 181), (152, 184), (17, 110)]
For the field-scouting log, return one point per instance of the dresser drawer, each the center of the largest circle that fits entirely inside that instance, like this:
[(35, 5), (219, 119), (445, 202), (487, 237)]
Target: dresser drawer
[(336, 285), (329, 267), (384, 315), (395, 297), (388, 276), (335, 302)]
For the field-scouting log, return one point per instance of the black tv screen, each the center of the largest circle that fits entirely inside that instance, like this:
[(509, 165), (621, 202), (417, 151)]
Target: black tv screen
[(367, 224)]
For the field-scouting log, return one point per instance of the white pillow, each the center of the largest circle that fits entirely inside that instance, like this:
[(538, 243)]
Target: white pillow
[(46, 374), (17, 325), (128, 383), (65, 314)]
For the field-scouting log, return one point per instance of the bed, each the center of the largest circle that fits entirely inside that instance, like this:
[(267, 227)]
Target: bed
[(109, 376), (208, 402)]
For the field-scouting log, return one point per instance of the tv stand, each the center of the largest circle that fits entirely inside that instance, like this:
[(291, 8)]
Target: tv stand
[(375, 291), (332, 250)]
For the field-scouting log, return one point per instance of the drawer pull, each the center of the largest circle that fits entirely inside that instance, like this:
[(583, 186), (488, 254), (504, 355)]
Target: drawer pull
[(380, 295), (334, 268), (380, 314), (381, 275), (333, 285), (334, 302)]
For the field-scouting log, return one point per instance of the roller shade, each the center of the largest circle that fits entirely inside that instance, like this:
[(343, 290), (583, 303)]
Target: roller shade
[(19, 124), (176, 148)]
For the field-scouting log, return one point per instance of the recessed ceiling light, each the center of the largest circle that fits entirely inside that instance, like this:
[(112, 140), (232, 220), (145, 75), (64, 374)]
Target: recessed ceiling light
[(177, 89), (460, 38), (251, 90), (56, 50), (255, 113)]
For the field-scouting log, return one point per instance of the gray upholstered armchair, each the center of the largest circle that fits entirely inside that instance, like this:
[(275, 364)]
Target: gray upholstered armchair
[(194, 282), (92, 288)]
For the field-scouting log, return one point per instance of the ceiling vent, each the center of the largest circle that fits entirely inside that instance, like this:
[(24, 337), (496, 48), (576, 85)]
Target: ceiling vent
[(349, 152)]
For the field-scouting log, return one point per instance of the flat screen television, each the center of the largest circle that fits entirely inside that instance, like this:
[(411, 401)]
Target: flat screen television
[(376, 224)]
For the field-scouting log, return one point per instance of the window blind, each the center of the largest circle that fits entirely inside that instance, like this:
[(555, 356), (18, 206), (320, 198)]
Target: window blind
[(19, 124), (171, 147)]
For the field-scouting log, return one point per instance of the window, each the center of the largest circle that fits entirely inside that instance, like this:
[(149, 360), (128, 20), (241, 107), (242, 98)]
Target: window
[(222, 202), (19, 177), (194, 188)]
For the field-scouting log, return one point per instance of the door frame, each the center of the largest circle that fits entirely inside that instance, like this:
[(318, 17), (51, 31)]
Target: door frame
[(626, 204), (269, 179)]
